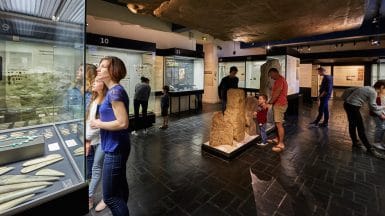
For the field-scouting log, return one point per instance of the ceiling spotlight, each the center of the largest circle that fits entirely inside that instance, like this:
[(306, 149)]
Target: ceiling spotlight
[(375, 42), (375, 20), (308, 48), (55, 18), (268, 47), (204, 38), (134, 8)]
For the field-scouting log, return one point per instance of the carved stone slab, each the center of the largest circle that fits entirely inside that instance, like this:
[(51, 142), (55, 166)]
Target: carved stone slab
[(235, 112), (221, 132)]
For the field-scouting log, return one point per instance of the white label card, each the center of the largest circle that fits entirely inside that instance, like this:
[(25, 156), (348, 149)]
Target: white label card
[(53, 146), (71, 143)]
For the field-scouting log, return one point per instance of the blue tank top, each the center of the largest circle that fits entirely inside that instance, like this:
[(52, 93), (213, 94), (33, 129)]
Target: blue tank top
[(114, 141)]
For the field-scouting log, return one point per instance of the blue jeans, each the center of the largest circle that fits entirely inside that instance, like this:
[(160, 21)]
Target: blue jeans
[(323, 110), (90, 162), (115, 186), (262, 129), (96, 170), (380, 129)]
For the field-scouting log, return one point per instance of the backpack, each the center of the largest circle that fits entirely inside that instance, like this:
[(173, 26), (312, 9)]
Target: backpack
[(348, 92)]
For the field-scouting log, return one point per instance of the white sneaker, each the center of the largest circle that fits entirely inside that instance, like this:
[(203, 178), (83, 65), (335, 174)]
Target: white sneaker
[(145, 131), (262, 144), (379, 145), (134, 133)]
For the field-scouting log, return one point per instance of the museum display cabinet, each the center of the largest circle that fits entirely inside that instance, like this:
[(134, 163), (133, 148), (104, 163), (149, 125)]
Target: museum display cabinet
[(183, 72), (139, 59), (378, 71), (249, 70), (41, 108)]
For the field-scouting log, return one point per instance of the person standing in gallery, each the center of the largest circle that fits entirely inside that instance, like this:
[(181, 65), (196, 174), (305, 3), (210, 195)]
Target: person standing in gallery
[(325, 93), (164, 105), (380, 123), (115, 137), (142, 94), (73, 101), (227, 82), (352, 105), (93, 146), (90, 78), (279, 102)]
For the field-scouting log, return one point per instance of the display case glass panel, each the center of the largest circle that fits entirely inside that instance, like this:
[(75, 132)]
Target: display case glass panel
[(253, 74), (183, 73), (378, 71), (290, 67), (224, 70), (41, 94), (138, 64)]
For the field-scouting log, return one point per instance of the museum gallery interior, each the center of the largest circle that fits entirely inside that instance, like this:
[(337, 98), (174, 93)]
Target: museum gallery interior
[(196, 145)]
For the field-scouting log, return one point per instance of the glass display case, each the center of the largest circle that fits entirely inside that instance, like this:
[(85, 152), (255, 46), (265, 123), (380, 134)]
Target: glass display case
[(378, 71), (290, 67), (224, 70), (183, 73), (41, 105), (138, 64), (253, 74)]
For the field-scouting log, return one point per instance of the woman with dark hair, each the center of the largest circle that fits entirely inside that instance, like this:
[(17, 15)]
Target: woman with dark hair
[(115, 138)]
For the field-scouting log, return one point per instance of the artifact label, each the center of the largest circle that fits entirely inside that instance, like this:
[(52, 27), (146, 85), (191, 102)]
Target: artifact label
[(71, 143), (53, 146)]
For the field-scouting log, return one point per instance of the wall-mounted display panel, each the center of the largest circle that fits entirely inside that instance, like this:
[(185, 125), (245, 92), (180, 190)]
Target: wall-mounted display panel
[(138, 64), (348, 75), (290, 67), (183, 73), (378, 71), (224, 70)]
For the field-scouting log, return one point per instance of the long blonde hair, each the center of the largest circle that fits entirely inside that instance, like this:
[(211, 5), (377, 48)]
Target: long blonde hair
[(94, 95), (90, 76)]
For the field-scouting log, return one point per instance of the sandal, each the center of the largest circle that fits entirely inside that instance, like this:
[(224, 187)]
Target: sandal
[(278, 148), (272, 141)]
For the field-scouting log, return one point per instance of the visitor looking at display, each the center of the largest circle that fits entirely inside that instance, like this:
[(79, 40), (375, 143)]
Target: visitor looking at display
[(380, 123), (325, 93), (115, 137), (90, 78), (279, 102), (142, 94), (352, 106), (73, 101), (164, 105), (227, 82), (99, 91)]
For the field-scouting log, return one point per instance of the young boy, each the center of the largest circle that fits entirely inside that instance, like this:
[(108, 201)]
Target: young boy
[(164, 105), (261, 115)]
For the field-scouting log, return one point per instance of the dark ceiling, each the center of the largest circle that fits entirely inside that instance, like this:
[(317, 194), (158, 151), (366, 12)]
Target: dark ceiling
[(265, 20)]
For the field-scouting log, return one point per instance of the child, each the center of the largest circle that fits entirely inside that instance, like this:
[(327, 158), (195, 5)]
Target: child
[(261, 115), (164, 104)]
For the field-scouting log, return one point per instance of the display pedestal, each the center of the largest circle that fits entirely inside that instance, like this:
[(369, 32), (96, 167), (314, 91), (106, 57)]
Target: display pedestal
[(231, 151)]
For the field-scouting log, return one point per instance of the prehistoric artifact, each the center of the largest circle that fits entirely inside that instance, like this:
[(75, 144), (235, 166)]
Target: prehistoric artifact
[(16, 194), (79, 151), (15, 202), (49, 172), (5, 169), (15, 179), (40, 165), (14, 187), (231, 125), (221, 132), (251, 126), (42, 159), (14, 141)]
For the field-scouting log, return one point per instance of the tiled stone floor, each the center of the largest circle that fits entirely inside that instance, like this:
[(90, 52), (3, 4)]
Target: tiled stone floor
[(317, 174)]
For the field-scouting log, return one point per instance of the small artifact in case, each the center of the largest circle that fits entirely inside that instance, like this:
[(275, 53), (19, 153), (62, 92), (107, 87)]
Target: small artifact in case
[(19, 148)]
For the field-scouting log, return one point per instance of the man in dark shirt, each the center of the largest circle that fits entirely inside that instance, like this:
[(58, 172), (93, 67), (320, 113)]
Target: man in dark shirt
[(227, 82), (325, 92)]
